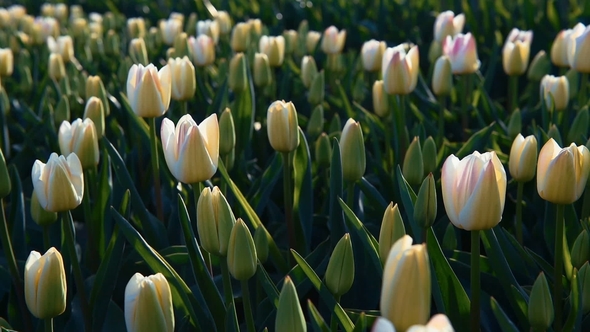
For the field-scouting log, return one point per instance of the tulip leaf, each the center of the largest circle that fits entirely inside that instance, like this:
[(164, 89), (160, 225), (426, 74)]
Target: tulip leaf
[(244, 106), (477, 141), (344, 97), (372, 193), (102, 199), (503, 320), (317, 321), (408, 199), (17, 215), (336, 219), (265, 185), (140, 125), (220, 99), (361, 323), (325, 294), (231, 320), (269, 287), (303, 193), (574, 319)]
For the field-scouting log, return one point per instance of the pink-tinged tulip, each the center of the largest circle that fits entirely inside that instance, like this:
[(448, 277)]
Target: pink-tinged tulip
[(149, 90), (191, 151), (474, 190), (447, 24), (170, 29), (462, 51), (438, 323), (333, 40), (59, 184), (579, 51), (372, 54), (400, 70), (555, 91), (183, 78), (562, 173), (560, 50), (203, 50), (516, 52), (63, 46)]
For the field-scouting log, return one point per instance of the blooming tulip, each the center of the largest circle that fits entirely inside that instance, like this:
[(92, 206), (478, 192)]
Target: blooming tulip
[(579, 50), (190, 144), (136, 27), (6, 62), (447, 24), (63, 46), (400, 70), (523, 156), (274, 48), (333, 40), (182, 74), (352, 151), (148, 304), (560, 50), (474, 190), (45, 284), (170, 29), (462, 51), (562, 172), (203, 50), (209, 28), (311, 40), (59, 184), (80, 138), (372, 54), (282, 126), (555, 91), (515, 54), (149, 90), (442, 78)]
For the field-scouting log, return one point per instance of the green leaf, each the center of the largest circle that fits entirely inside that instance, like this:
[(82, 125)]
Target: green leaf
[(269, 287), (477, 141), (408, 199), (231, 320), (220, 99), (361, 323), (505, 323), (317, 321), (574, 319), (101, 201), (302, 192), (140, 126), (344, 97), (336, 219), (372, 193), (17, 215), (244, 106)]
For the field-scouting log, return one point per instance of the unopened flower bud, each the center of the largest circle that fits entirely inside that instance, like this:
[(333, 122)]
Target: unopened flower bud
[(289, 314), (241, 253), (238, 76), (94, 110), (282, 126), (380, 100), (316, 89), (352, 152), (95, 88), (323, 150), (429, 155), (183, 78), (315, 125), (80, 138), (311, 41), (392, 229), (274, 48), (540, 311), (523, 158), (138, 51), (308, 70), (413, 167), (224, 21), (240, 37), (262, 71), (45, 284), (425, 206), (340, 270), (203, 50), (227, 132), (335, 124), (57, 69), (442, 78), (215, 221), (148, 304)]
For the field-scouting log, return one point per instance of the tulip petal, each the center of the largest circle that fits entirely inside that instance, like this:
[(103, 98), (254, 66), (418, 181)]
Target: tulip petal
[(132, 79), (165, 82), (448, 174), (31, 280), (210, 131), (560, 179), (484, 208), (582, 164), (548, 152)]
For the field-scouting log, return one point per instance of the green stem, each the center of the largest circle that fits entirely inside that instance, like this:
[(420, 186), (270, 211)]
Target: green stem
[(48, 324), (247, 306), (512, 93), (227, 289), (46, 237), (582, 91), (442, 101), (156, 167), (184, 108), (519, 212), (334, 319), (288, 195), (475, 281), (558, 267), (466, 82)]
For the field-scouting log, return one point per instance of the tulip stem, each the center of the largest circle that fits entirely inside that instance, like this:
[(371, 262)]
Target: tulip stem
[(156, 168), (91, 225), (247, 306), (288, 195), (48, 324), (184, 108), (334, 319), (227, 289), (512, 93), (475, 281), (558, 267), (519, 193), (442, 100), (70, 240)]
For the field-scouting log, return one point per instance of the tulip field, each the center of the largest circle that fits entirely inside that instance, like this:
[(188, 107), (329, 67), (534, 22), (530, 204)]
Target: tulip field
[(295, 166)]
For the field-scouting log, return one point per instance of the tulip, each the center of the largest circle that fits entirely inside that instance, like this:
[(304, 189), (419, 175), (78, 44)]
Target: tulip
[(136, 27), (95, 88), (224, 21), (438, 323), (148, 304), (579, 51), (462, 52), (227, 132), (57, 69), (94, 110), (400, 70), (6, 62), (352, 151), (274, 48), (413, 165), (45, 27), (149, 90), (474, 190), (262, 71), (238, 80), (372, 54), (540, 310), (215, 221), (255, 26), (289, 314), (555, 91), (177, 16), (182, 74), (203, 50), (170, 29), (523, 157), (282, 126), (309, 70), (333, 40), (311, 41), (405, 292), (425, 207), (61, 11), (323, 150), (442, 78), (515, 54), (241, 252), (562, 172), (447, 24), (380, 100), (80, 138), (59, 184), (240, 37), (190, 144), (209, 28), (340, 271), (560, 48), (382, 325), (291, 40), (48, 9), (429, 155), (63, 46), (540, 66), (316, 89), (138, 51), (392, 229), (45, 284)]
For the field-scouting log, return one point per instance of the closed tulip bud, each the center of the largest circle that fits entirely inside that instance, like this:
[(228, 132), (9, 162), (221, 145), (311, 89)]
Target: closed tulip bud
[(282, 126), (94, 111), (309, 70), (515, 124), (61, 11), (262, 71), (340, 270), (289, 314), (400, 70), (59, 184), (311, 41), (429, 155), (95, 88), (474, 190), (335, 124), (323, 150), (148, 304), (203, 50), (316, 89), (442, 77), (274, 48), (413, 166), (181, 46), (447, 24), (188, 144), (352, 151), (149, 90), (62, 110), (315, 125), (333, 40), (170, 29), (39, 215), (138, 51), (215, 221), (177, 16), (209, 28), (579, 127), (562, 172), (63, 46), (523, 158), (406, 289), (462, 51), (227, 132), (540, 311), (579, 49), (241, 252), (372, 55), (191, 24), (136, 27), (291, 38), (80, 138), (438, 323), (392, 229), (540, 66), (48, 9), (224, 21), (261, 243), (516, 51), (581, 249), (584, 277), (5, 184), (238, 75), (380, 100), (112, 44), (57, 69), (425, 206), (45, 284), (255, 26), (182, 74), (240, 37)]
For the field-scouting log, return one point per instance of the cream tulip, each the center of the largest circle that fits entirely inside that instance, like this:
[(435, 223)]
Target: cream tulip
[(45, 284), (516, 52), (311, 41), (63, 46), (209, 28), (148, 304), (380, 100), (203, 50), (447, 24), (400, 70), (138, 51), (80, 138), (333, 40), (59, 184), (240, 37), (560, 49), (438, 323), (6, 62), (170, 28), (149, 90), (95, 111), (462, 52), (224, 22), (579, 51), (274, 48), (136, 27), (372, 54), (182, 74), (282, 126), (474, 190), (523, 158), (352, 151), (555, 92), (562, 173), (442, 77)]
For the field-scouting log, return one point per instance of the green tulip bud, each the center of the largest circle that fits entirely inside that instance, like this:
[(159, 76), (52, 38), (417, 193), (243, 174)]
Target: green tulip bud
[(352, 148), (540, 66), (574, 82), (262, 71), (95, 88), (392, 229), (316, 89), (62, 110), (261, 243), (41, 216), (227, 132), (540, 310), (323, 150), (425, 206), (215, 221), (335, 124), (584, 278), (241, 253), (289, 314), (429, 155), (309, 70), (435, 51), (340, 270), (554, 133), (238, 75), (581, 250), (515, 124), (579, 128), (5, 185), (291, 38), (112, 44), (191, 24), (315, 125), (450, 238), (181, 45), (413, 167)]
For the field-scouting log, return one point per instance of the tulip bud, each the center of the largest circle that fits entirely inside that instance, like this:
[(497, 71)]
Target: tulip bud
[(316, 90), (429, 155), (579, 49), (274, 48), (425, 206), (450, 238), (191, 25), (555, 92), (240, 37), (442, 78), (315, 125), (372, 55), (181, 46), (581, 249), (148, 304), (392, 229), (380, 100), (540, 310), (290, 37), (584, 277), (261, 243), (309, 70), (406, 289), (241, 252), (289, 316), (238, 75), (94, 110), (562, 173), (224, 21), (311, 41), (438, 323), (5, 184), (209, 28), (95, 88), (462, 51), (515, 54), (182, 74), (56, 70), (170, 29), (262, 71), (149, 90), (447, 24), (153, 39), (323, 150), (48, 9), (282, 126), (39, 215), (400, 70), (227, 132), (540, 66), (352, 149), (203, 50), (59, 184), (579, 127), (138, 51), (413, 167), (515, 124), (333, 40), (255, 27), (335, 124), (63, 46), (45, 284), (80, 138), (215, 221), (62, 110), (523, 158), (136, 27), (340, 270), (95, 45)]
